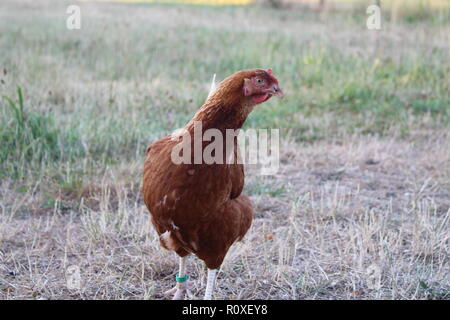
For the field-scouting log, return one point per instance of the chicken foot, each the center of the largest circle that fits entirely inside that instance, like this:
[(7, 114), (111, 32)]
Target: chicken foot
[(181, 289)]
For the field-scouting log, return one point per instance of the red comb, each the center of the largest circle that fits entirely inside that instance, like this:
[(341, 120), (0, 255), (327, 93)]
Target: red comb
[(269, 71)]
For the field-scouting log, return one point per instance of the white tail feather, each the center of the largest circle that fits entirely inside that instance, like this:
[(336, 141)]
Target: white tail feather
[(213, 86)]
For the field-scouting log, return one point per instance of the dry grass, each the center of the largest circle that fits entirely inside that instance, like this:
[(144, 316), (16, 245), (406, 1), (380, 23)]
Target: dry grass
[(359, 210), (336, 211)]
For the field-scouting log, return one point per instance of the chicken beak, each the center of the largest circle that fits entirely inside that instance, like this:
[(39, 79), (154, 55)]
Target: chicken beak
[(276, 91)]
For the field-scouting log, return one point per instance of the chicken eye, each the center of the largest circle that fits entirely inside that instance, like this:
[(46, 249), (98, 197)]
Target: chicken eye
[(259, 81)]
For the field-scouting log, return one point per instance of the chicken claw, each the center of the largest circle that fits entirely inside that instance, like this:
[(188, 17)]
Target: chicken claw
[(181, 290)]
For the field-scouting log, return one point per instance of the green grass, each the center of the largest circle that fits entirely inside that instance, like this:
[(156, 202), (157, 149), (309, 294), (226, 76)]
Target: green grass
[(103, 93), (31, 139), (364, 150), (29, 136)]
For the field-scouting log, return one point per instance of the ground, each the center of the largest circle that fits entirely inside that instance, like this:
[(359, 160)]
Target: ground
[(358, 210)]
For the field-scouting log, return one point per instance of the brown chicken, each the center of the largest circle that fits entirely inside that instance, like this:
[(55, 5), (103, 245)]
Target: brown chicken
[(197, 206)]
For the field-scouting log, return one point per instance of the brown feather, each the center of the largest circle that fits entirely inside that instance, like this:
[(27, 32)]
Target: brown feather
[(200, 208)]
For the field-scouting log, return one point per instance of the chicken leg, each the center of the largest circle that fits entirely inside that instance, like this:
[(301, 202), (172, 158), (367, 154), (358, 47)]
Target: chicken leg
[(210, 284), (181, 289)]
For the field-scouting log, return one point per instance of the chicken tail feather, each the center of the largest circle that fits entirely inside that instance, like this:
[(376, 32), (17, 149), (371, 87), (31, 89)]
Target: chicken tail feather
[(213, 86)]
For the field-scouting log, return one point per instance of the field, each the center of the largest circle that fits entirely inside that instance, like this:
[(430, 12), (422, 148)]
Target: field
[(359, 209)]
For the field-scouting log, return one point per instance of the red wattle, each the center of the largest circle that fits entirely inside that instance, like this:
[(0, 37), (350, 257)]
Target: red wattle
[(259, 98)]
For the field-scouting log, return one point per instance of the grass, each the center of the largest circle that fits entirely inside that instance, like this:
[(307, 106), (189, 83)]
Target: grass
[(364, 178), (31, 137)]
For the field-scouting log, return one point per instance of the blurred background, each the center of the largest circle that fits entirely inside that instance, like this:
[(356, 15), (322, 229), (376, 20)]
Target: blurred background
[(365, 167)]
